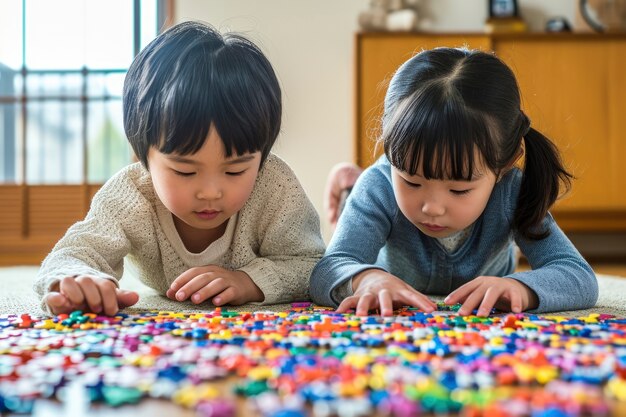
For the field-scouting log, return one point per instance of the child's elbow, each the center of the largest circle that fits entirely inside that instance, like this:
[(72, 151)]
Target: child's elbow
[(590, 290), (318, 287), (594, 291)]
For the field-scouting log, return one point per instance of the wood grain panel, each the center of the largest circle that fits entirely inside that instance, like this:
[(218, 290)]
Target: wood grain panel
[(617, 121), (33, 218), (29, 250), (566, 100), (11, 199), (53, 208)]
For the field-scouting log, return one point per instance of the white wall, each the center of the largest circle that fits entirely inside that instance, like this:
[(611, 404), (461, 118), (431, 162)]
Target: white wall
[(311, 45)]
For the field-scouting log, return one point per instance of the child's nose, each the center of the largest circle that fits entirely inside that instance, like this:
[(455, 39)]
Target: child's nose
[(432, 208), (209, 192)]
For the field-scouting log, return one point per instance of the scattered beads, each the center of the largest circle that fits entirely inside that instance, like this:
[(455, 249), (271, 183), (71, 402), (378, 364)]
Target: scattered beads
[(314, 361)]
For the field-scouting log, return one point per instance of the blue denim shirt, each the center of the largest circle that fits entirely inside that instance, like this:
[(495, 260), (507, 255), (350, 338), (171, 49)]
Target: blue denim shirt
[(372, 232)]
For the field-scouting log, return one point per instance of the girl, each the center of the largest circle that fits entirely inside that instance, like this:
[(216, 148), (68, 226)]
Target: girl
[(440, 212), (209, 214)]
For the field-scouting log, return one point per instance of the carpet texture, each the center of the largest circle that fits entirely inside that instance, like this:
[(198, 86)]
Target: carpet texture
[(18, 297)]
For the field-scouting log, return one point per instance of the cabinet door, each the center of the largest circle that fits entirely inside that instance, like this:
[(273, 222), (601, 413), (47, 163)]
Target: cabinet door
[(573, 90), (617, 121), (378, 57)]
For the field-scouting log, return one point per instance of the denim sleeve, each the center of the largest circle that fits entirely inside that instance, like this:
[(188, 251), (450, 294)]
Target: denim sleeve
[(361, 232)]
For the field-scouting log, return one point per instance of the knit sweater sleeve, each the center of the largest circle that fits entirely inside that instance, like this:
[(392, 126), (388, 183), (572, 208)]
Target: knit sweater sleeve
[(361, 232), (97, 245), (285, 241), (560, 276)]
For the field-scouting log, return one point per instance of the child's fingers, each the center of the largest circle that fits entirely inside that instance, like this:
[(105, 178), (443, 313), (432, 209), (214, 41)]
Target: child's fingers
[(203, 293), (58, 303), (348, 303), (195, 285), (365, 304), (385, 302), (516, 301), (489, 300), (109, 305), (184, 278), (419, 300), (332, 214), (427, 302), (126, 298), (472, 302), (90, 293), (225, 297), (71, 289), (108, 297), (461, 293)]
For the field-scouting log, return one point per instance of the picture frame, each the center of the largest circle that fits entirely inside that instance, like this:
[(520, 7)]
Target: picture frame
[(503, 9)]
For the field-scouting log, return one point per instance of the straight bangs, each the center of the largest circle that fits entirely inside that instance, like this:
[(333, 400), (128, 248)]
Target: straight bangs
[(435, 130), (225, 90)]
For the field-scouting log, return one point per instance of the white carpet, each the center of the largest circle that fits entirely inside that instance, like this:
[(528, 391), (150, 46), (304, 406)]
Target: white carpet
[(18, 297)]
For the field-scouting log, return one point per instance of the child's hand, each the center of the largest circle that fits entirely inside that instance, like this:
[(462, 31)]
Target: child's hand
[(375, 288), (222, 285), (341, 178), (89, 294), (484, 293)]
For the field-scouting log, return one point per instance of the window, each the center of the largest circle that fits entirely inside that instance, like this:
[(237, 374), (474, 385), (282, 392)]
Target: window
[(61, 78)]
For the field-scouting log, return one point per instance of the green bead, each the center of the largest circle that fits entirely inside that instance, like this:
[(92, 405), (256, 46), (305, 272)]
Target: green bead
[(252, 388), (116, 396)]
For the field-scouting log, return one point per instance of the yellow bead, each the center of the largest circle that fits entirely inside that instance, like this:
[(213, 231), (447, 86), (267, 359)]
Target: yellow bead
[(377, 383), (546, 374), (616, 387), (146, 361), (260, 373)]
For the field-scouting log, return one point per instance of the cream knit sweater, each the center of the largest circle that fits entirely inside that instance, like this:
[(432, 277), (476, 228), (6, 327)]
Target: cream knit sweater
[(275, 238)]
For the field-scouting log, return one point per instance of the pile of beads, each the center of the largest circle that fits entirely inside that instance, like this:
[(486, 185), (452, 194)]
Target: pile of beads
[(311, 361)]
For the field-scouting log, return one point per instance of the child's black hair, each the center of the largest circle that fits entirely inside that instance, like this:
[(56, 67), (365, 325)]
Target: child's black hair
[(445, 106), (191, 77)]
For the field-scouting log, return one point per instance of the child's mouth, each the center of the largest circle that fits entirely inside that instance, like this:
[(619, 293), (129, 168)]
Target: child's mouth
[(433, 227), (207, 214)]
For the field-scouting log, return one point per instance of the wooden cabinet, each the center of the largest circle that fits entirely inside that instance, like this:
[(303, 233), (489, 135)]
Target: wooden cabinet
[(573, 89)]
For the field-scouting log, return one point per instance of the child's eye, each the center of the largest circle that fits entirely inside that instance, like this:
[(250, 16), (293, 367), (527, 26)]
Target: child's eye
[(411, 184), (235, 174), (459, 192), (183, 174)]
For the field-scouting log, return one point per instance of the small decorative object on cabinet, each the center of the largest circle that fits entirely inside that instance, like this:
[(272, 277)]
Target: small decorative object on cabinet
[(558, 24), (503, 9), (504, 17), (604, 15), (390, 15)]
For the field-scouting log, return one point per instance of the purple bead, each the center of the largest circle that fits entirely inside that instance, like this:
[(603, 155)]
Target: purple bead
[(216, 408), (400, 406)]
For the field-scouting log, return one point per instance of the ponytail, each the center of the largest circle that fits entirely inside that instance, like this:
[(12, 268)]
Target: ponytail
[(543, 173)]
